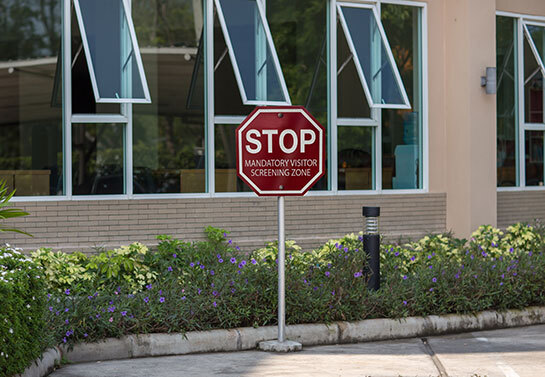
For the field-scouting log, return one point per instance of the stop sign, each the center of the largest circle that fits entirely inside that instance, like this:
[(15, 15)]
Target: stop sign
[(280, 151)]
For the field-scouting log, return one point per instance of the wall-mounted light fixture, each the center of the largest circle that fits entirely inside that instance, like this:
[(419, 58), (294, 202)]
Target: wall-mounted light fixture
[(489, 81)]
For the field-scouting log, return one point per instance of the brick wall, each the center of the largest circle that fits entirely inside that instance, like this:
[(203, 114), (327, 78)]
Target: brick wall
[(311, 220), (515, 206)]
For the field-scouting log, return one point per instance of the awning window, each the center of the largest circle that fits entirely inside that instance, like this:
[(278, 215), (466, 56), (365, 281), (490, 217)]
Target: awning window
[(372, 56), (111, 49), (535, 35), (251, 49)]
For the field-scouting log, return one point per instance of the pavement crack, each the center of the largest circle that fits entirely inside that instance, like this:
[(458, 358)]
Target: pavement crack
[(440, 368)]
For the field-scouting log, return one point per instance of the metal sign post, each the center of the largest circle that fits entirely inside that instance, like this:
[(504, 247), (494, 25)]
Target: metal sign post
[(280, 152), (281, 271)]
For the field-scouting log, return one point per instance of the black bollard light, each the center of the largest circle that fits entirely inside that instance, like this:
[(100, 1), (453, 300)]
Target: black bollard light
[(371, 246)]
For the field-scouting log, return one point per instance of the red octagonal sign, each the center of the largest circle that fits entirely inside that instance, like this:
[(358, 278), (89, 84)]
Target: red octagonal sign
[(280, 151)]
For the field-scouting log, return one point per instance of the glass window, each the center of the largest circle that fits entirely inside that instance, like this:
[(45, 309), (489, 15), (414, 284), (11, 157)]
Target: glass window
[(534, 158), (506, 52), (372, 55), (168, 134), (31, 158), (252, 53), (299, 29), (225, 160), (113, 59), (402, 129), (356, 158), (97, 159)]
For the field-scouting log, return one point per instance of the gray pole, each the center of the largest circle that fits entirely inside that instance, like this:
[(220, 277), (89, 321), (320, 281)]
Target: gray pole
[(281, 257)]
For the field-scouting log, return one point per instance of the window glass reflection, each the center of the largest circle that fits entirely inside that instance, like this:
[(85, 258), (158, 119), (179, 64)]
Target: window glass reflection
[(97, 159), (31, 156), (402, 129), (506, 51), (534, 158), (168, 134), (355, 158), (225, 160)]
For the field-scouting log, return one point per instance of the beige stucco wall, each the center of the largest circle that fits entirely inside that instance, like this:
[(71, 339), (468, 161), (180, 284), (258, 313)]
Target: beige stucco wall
[(530, 7), (462, 118)]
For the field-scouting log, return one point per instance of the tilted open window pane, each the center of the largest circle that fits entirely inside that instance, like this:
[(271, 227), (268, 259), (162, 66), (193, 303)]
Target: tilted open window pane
[(252, 52), (111, 49), (536, 38), (373, 57)]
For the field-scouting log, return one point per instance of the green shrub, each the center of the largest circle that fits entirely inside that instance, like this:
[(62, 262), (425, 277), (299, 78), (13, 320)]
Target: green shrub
[(9, 213), (213, 284), (23, 333)]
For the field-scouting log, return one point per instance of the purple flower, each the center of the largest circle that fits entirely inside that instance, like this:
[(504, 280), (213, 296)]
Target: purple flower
[(240, 265), (97, 316), (123, 313), (472, 256), (191, 264), (514, 274), (457, 276), (146, 299), (90, 297), (50, 308), (431, 289), (169, 269), (224, 234), (161, 299), (85, 335), (220, 260), (434, 280), (501, 283), (67, 291), (315, 288), (475, 276), (243, 263), (345, 250), (111, 309), (404, 302), (254, 262), (404, 277), (174, 255), (502, 276), (236, 247), (212, 272), (396, 253), (66, 321), (64, 340), (511, 250), (66, 310), (230, 242), (149, 286), (327, 273), (530, 253), (430, 266), (111, 319), (429, 256), (413, 258), (233, 260), (357, 274), (333, 293), (202, 267), (199, 291), (214, 304), (215, 293), (233, 290), (183, 297)]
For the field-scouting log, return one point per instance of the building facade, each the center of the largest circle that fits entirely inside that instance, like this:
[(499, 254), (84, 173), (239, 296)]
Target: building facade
[(117, 117)]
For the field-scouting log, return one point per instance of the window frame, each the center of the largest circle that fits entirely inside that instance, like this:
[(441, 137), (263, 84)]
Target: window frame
[(522, 126), (211, 119), (136, 54)]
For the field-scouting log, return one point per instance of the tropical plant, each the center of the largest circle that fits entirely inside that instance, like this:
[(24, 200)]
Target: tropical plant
[(8, 213)]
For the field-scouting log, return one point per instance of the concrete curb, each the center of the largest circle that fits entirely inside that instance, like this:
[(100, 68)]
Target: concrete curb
[(45, 365), (247, 338)]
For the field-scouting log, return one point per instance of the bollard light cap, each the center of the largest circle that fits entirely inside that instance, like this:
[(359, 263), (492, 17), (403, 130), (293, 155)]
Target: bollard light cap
[(371, 211)]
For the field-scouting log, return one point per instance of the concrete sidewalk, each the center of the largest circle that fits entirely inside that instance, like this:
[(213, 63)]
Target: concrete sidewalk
[(504, 353)]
